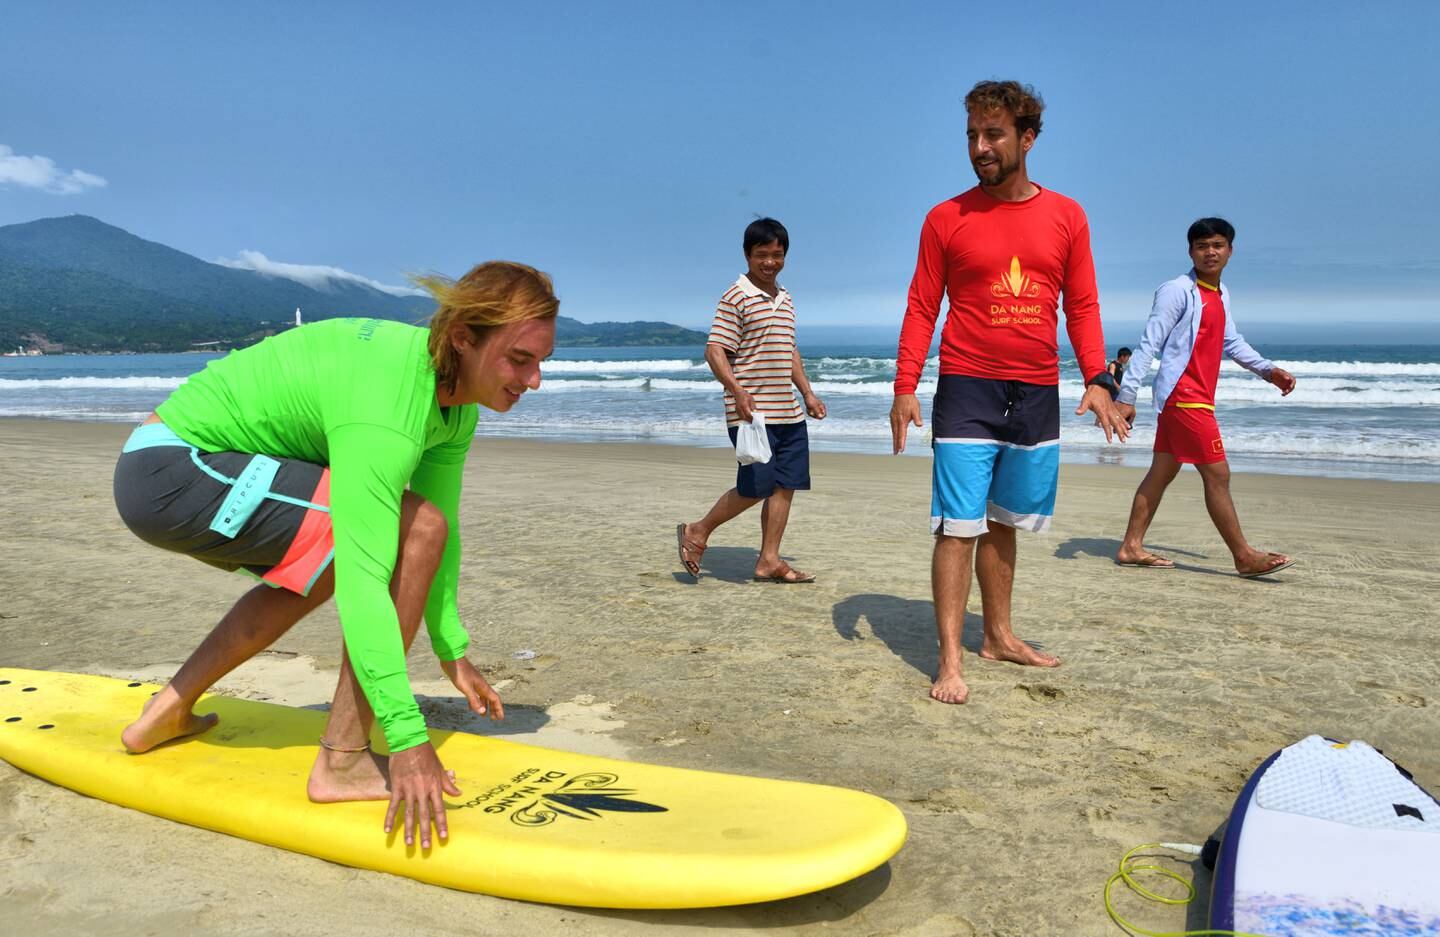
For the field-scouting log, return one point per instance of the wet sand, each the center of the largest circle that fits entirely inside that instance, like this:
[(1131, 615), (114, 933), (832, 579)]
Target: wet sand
[(1175, 685)]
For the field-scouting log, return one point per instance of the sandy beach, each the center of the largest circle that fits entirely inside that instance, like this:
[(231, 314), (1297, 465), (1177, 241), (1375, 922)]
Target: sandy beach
[(1175, 685)]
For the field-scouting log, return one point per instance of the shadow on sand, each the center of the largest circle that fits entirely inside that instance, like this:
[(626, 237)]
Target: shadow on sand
[(907, 626), (832, 904)]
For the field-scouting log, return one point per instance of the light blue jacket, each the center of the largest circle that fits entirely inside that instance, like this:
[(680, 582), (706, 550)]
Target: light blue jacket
[(1170, 336)]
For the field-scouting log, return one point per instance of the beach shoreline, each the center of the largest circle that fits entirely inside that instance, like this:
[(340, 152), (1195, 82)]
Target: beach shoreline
[(1134, 456), (1174, 686), (1358, 411)]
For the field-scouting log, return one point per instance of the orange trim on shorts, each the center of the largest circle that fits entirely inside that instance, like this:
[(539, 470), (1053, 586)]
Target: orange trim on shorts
[(311, 549)]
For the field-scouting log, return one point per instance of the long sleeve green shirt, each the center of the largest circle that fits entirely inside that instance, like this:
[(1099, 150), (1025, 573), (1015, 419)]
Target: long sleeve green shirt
[(357, 395)]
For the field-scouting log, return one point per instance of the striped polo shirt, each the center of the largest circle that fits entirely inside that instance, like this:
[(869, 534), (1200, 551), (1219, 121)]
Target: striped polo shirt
[(758, 335)]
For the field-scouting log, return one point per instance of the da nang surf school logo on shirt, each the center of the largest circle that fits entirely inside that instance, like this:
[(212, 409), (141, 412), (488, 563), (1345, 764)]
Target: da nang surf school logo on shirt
[(1013, 286), (535, 797)]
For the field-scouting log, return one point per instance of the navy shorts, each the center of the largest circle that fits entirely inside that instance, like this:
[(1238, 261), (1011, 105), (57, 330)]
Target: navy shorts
[(997, 455), (789, 465)]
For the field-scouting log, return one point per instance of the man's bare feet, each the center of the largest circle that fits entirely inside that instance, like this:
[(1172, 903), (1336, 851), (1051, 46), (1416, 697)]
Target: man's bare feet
[(1017, 652), (163, 718), (949, 689), (343, 776), (339, 777)]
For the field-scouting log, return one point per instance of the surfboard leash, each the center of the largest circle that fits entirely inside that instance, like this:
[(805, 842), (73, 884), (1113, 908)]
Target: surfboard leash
[(1128, 870)]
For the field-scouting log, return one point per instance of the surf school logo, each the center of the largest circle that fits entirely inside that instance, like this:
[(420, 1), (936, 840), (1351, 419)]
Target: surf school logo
[(538, 798), (1014, 284)]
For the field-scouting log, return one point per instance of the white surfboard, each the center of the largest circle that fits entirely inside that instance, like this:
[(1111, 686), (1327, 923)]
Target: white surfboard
[(1330, 838)]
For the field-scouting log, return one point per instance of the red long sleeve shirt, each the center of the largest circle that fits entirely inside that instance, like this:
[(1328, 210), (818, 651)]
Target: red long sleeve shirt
[(1004, 266)]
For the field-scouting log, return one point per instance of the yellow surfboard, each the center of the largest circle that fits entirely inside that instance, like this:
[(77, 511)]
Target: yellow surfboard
[(534, 824)]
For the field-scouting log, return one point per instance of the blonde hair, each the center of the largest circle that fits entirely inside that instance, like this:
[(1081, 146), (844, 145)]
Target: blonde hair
[(492, 294)]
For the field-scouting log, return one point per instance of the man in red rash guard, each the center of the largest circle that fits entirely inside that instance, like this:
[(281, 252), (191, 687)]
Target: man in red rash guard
[(1189, 329), (1004, 252)]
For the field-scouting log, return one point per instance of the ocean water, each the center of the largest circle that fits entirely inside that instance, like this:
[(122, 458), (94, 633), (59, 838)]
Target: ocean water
[(1359, 410)]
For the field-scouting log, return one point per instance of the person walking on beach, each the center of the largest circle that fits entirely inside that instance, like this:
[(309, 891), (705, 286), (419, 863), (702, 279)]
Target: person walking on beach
[(751, 350), (1004, 252), (1189, 328), (277, 458)]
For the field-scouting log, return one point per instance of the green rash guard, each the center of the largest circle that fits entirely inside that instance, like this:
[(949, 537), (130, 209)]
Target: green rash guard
[(357, 395)]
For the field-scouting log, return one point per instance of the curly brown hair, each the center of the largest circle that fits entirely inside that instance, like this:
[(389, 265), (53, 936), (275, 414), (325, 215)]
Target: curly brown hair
[(1021, 101)]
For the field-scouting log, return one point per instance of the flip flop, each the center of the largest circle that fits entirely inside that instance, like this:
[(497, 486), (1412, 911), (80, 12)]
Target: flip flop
[(790, 577), (1274, 567), (691, 566), (1149, 561)]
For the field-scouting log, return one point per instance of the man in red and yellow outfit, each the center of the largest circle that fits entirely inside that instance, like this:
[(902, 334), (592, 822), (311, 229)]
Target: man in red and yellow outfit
[(1189, 329)]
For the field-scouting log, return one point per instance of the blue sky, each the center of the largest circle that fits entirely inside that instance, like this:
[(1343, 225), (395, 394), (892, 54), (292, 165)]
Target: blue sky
[(624, 146)]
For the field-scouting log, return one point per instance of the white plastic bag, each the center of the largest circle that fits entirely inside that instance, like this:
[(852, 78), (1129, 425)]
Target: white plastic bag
[(752, 443)]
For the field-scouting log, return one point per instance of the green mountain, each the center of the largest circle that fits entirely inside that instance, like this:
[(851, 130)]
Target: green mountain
[(79, 284)]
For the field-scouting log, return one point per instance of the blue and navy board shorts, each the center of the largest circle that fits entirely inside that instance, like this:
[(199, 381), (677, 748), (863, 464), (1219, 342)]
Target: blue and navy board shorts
[(997, 455), (789, 465)]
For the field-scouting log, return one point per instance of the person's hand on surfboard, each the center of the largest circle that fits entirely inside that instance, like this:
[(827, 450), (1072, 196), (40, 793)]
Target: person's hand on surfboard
[(419, 781), (476, 689)]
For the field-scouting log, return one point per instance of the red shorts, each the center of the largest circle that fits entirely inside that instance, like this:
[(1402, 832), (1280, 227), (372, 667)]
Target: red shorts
[(1190, 434)]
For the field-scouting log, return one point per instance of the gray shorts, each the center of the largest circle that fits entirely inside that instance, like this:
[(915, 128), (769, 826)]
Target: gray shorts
[(240, 512)]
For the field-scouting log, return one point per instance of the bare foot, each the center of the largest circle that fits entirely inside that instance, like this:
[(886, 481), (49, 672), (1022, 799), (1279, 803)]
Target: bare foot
[(164, 718), (949, 689), (342, 776), (1017, 652), (338, 777)]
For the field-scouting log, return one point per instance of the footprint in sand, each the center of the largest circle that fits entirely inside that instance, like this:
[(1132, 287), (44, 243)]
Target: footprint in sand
[(1413, 700), (1041, 692)]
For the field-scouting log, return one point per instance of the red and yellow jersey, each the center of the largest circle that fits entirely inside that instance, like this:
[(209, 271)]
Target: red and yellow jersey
[(1196, 387), (1005, 266)]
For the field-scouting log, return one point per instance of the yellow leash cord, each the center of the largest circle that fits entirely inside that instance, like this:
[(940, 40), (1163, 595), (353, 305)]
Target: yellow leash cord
[(1127, 872)]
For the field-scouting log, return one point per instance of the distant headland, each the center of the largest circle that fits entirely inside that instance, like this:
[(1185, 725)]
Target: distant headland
[(77, 284)]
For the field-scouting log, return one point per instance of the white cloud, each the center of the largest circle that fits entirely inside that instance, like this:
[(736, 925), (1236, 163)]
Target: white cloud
[(40, 172), (315, 276)]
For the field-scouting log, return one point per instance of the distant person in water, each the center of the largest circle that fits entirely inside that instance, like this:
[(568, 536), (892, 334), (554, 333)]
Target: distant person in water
[(342, 439), (1191, 325), (752, 352), (1117, 367)]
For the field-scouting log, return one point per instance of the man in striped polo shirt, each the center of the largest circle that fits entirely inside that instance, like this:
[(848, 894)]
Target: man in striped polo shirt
[(752, 351)]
